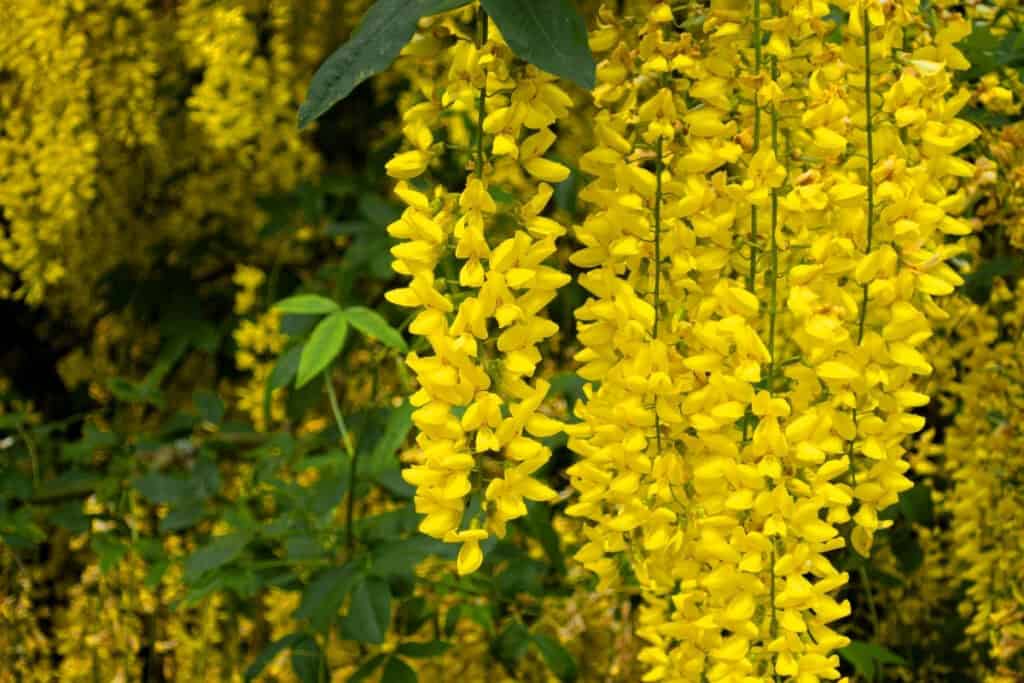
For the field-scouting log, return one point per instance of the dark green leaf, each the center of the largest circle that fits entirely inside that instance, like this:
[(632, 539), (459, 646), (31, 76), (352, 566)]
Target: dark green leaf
[(420, 650), (285, 368), (307, 304), (549, 34), (324, 596), (308, 660), (328, 492), (109, 550), (366, 669), (401, 557), (864, 657), (162, 489), (385, 449), (538, 521), (978, 284), (384, 31), (70, 516), (209, 406), (269, 653), (217, 553), (397, 671), (182, 516), (373, 325), (511, 644), (369, 612), (323, 346), (916, 504), (558, 659)]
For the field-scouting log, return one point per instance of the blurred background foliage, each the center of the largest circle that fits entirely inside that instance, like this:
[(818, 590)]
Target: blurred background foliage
[(173, 508)]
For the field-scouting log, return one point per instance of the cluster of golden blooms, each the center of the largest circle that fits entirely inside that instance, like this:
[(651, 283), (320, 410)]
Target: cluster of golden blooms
[(114, 107), (980, 457), (478, 282), (24, 645), (768, 238), (259, 343)]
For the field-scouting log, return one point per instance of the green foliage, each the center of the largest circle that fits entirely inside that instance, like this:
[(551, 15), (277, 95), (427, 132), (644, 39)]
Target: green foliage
[(548, 33), (869, 658), (384, 31), (322, 347)]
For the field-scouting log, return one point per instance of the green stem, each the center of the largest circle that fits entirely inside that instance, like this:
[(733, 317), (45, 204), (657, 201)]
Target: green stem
[(774, 628), (863, 313), (353, 460), (871, 168), (482, 100), (752, 273), (773, 284), (659, 167), (871, 600)]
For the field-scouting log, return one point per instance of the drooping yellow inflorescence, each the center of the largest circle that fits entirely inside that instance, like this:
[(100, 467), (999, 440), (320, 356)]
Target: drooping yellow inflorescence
[(981, 457), (478, 283), (767, 240), (129, 125)]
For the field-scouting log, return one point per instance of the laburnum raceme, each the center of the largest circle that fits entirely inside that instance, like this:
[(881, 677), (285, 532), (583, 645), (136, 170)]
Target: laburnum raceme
[(981, 457), (478, 282), (766, 241)]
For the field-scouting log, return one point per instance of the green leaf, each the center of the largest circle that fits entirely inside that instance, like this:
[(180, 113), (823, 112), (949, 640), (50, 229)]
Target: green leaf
[(285, 368), (308, 660), (323, 346), (396, 429), (307, 304), (269, 653), (978, 284), (219, 552), (162, 489), (209, 406), (558, 659), (372, 324), (384, 31), (369, 612), (916, 504), (71, 517), (324, 595), (397, 671), (109, 550), (549, 34), (511, 644), (864, 657), (401, 557), (432, 648), (366, 669)]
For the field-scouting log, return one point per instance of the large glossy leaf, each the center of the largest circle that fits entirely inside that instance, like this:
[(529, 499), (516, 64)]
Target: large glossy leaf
[(323, 346), (384, 31), (549, 34)]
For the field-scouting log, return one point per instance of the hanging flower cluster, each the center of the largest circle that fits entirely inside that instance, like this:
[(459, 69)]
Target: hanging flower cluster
[(981, 456), (767, 240), (112, 108), (479, 286)]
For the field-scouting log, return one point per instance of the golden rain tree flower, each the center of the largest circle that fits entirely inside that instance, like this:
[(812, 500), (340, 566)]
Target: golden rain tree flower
[(767, 242), (479, 284)]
